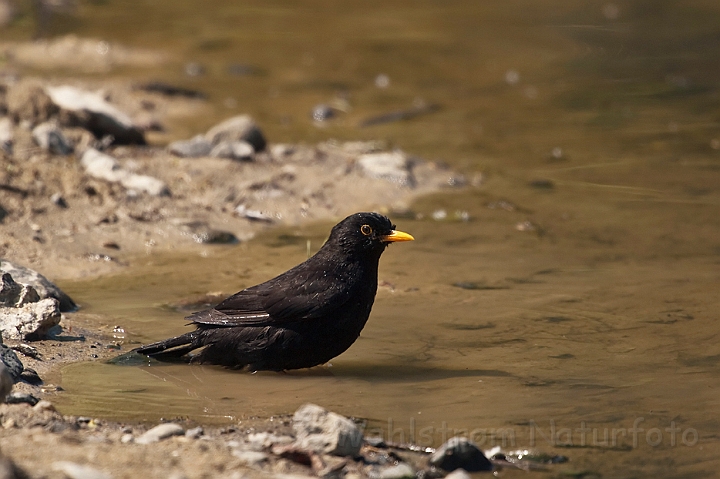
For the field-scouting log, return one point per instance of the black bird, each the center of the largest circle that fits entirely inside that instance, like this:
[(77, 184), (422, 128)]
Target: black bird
[(302, 318)]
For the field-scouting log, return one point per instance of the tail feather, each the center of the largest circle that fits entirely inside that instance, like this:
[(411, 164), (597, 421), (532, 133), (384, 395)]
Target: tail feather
[(171, 348)]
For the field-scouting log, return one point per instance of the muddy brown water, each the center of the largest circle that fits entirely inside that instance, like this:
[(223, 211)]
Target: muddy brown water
[(576, 312)]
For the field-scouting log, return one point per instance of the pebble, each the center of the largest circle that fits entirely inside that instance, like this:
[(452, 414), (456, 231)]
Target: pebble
[(195, 147), (237, 128), (50, 137), (96, 115), (460, 453), (21, 398), (322, 431), (399, 471), (77, 471), (44, 287), (30, 321), (105, 167), (12, 364), (234, 150), (158, 433), (194, 433)]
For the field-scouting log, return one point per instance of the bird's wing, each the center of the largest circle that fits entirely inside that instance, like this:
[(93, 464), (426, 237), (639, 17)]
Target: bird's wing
[(295, 295)]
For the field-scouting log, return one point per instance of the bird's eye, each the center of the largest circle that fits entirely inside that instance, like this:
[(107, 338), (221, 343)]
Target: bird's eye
[(366, 230)]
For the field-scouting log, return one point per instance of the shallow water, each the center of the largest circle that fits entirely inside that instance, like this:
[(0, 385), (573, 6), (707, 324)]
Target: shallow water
[(590, 265)]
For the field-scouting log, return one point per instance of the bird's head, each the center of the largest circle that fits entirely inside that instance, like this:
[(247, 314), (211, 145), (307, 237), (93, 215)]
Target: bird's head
[(366, 232)]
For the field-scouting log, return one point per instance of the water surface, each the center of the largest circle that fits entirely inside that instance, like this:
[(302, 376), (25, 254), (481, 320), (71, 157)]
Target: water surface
[(585, 320)]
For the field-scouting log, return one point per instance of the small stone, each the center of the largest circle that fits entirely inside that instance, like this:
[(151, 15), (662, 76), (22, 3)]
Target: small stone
[(90, 111), (194, 433), (21, 398), (127, 438), (105, 167), (237, 128), (234, 150), (44, 287), (323, 112), (158, 433), (460, 453), (196, 147), (250, 458), (30, 321), (77, 471), (58, 200), (317, 429), (50, 137), (400, 471)]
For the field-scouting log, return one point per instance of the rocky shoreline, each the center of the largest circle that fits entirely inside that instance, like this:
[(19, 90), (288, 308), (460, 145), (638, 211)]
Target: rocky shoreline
[(87, 184)]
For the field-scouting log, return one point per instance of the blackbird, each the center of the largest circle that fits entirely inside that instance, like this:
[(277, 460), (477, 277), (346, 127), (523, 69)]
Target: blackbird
[(299, 319)]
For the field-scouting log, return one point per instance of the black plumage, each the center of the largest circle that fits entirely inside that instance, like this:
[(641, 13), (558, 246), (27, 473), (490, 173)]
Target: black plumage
[(299, 319)]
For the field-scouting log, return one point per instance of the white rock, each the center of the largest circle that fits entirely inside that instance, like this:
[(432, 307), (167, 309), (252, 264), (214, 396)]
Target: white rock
[(105, 167), (158, 433), (32, 319), (235, 150), (43, 286), (391, 166), (322, 431), (97, 115)]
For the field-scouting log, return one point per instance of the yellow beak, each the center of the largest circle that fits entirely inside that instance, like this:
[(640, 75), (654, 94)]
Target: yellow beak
[(397, 236)]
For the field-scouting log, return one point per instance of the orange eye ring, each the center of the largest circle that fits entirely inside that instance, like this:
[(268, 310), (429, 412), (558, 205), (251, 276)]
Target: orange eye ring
[(366, 230)]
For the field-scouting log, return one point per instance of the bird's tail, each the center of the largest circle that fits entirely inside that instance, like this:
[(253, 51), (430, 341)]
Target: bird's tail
[(172, 348)]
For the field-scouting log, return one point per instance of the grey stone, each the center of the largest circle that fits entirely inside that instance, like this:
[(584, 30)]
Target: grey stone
[(78, 471), (194, 433), (30, 321), (105, 167), (460, 453), (322, 431), (399, 471), (50, 137), (6, 135), (19, 397), (44, 287), (195, 147), (160, 432), (12, 364), (6, 382), (90, 111), (391, 166), (234, 150), (237, 128)]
